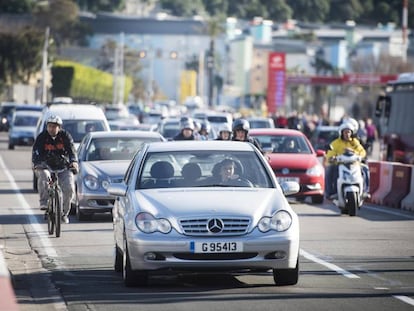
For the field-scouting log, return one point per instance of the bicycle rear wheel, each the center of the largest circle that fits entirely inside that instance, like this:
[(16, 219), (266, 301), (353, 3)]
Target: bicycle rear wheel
[(58, 212), (50, 216)]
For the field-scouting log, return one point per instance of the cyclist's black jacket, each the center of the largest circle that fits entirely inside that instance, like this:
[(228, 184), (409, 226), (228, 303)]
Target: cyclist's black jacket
[(49, 150)]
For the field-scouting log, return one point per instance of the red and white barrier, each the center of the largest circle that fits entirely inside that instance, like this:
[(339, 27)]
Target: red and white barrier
[(408, 202), (385, 183)]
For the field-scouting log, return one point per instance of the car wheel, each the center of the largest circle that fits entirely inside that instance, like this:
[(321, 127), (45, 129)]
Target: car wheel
[(317, 199), (11, 147), (133, 278), (285, 277), (118, 259)]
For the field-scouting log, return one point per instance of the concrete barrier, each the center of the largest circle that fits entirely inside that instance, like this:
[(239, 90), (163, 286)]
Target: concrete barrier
[(407, 203), (401, 177), (374, 175), (385, 183), (7, 297)]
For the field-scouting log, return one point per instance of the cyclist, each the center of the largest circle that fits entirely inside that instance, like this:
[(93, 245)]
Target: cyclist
[(54, 146)]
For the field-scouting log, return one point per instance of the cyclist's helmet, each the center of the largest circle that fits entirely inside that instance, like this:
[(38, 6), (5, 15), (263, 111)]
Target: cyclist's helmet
[(344, 126), (55, 120), (241, 124)]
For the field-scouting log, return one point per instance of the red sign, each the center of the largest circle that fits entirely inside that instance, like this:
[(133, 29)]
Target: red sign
[(354, 79), (276, 88)]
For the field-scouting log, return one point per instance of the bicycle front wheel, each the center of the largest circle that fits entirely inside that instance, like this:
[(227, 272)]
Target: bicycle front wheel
[(58, 211), (50, 216)]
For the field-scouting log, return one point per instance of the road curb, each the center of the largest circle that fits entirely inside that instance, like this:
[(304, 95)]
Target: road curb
[(8, 300)]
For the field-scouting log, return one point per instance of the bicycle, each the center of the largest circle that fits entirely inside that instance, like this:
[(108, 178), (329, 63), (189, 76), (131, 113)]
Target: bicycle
[(54, 210)]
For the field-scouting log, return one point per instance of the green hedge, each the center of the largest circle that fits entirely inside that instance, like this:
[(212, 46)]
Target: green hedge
[(83, 82)]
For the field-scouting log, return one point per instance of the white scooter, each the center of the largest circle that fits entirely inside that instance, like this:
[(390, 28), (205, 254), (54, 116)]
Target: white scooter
[(350, 183)]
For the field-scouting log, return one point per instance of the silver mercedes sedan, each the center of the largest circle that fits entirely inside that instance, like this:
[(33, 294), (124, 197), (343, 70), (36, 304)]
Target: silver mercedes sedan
[(104, 158), (203, 206)]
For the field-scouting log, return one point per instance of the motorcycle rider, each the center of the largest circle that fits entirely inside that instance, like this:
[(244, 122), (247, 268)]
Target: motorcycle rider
[(241, 129), (187, 131), (53, 146), (224, 132), (345, 141)]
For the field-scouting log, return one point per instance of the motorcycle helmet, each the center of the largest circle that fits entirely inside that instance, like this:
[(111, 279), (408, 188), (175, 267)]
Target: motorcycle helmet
[(241, 124), (346, 125), (187, 125), (55, 120), (224, 128)]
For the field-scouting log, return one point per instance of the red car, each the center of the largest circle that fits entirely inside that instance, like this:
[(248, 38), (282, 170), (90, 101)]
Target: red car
[(293, 158)]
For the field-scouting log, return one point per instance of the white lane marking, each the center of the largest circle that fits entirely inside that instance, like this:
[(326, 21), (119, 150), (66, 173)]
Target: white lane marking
[(405, 299), (348, 274), (36, 226), (328, 265)]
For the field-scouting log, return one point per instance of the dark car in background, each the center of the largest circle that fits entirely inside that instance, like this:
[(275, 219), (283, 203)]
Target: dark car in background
[(6, 112)]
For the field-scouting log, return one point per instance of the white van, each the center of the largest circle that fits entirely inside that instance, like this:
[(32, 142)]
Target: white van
[(77, 119)]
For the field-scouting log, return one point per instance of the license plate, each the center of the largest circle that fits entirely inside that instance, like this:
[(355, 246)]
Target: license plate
[(216, 247), (283, 179)]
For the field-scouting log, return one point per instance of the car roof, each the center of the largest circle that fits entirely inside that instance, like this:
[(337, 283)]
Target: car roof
[(199, 145), (29, 108), (76, 111), (275, 131), (126, 134)]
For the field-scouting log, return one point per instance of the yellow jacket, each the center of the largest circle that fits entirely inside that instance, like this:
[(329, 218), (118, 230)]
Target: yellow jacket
[(338, 146)]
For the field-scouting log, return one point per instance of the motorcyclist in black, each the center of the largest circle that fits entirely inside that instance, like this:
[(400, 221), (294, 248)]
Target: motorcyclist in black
[(54, 146), (241, 129)]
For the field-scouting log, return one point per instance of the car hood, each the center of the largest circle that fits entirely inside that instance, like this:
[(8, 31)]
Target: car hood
[(195, 202), (108, 168), (292, 160)]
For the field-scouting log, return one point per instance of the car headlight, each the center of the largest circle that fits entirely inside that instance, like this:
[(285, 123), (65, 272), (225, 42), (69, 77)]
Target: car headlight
[(147, 223), (316, 170), (91, 182), (280, 221)]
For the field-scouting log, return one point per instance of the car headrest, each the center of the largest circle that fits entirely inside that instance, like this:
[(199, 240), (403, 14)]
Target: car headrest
[(162, 169)]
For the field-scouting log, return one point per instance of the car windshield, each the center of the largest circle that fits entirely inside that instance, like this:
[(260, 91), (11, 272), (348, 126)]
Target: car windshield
[(202, 169), (284, 144), (115, 148), (78, 128), (25, 121)]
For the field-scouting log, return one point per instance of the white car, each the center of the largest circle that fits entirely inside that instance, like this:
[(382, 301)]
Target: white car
[(173, 213)]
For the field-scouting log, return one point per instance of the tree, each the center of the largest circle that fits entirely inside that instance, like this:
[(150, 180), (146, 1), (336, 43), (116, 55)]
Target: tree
[(16, 6), (101, 5), (187, 8), (20, 55), (341, 11), (61, 16), (310, 10)]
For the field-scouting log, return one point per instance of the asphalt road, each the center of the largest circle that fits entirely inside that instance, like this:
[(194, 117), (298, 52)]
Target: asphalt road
[(347, 263)]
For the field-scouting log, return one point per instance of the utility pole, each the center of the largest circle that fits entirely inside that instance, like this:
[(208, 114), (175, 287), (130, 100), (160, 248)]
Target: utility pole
[(44, 66), (404, 27)]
